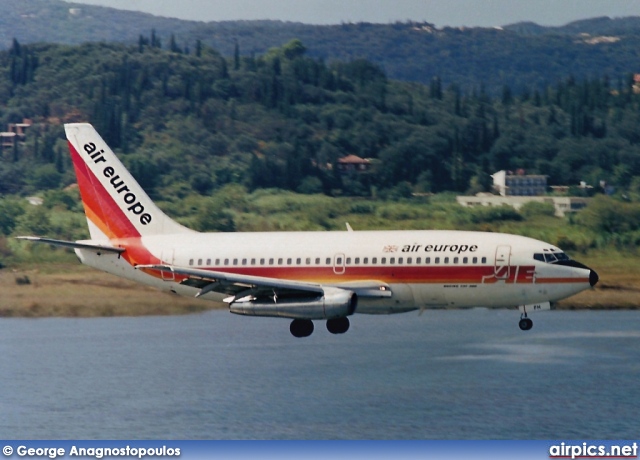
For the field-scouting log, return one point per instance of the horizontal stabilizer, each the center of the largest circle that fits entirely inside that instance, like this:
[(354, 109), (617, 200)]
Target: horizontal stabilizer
[(72, 244)]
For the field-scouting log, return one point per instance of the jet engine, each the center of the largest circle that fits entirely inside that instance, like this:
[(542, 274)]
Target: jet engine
[(334, 303)]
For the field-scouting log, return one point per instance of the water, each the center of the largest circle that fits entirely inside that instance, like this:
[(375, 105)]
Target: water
[(443, 375)]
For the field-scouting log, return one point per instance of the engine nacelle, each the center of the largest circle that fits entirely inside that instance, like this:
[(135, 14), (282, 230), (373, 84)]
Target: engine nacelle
[(335, 303)]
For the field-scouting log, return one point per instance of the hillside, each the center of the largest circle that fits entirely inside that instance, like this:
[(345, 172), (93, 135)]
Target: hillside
[(283, 120), (524, 56), (190, 120)]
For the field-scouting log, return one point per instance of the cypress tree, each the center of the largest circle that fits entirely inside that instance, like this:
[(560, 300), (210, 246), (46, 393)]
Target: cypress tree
[(236, 56)]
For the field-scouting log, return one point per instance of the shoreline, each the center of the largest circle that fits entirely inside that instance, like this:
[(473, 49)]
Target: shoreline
[(77, 291)]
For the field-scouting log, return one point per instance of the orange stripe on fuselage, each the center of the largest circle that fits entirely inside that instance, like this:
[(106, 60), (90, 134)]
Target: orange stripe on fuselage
[(396, 274)]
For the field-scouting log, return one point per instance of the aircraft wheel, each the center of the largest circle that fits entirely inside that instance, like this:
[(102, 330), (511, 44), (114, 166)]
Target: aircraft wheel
[(301, 327), (525, 324), (338, 325)]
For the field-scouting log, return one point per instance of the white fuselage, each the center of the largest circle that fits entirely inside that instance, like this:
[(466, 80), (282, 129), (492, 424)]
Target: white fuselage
[(423, 269)]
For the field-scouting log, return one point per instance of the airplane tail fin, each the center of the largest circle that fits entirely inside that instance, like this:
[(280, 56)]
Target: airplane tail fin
[(114, 203)]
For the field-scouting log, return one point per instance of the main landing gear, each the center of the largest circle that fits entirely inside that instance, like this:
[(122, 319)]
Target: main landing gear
[(301, 327), (304, 327)]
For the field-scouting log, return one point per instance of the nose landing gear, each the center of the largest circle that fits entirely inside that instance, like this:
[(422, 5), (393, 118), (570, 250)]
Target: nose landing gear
[(525, 322)]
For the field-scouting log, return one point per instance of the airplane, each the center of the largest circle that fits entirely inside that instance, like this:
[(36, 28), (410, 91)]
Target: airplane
[(307, 276)]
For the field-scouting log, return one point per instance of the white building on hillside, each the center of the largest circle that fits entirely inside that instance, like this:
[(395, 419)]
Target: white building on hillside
[(520, 184)]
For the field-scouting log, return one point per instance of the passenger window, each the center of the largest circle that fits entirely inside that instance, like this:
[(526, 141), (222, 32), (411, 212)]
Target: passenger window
[(253, 261), (190, 261), (328, 261), (475, 260), (455, 260), (409, 259), (298, 261), (235, 262), (226, 261), (308, 261), (208, 261), (427, 260), (280, 260), (270, 261), (357, 260), (392, 260), (437, 260), (317, 260), (261, 261), (383, 260), (244, 261), (484, 260), (217, 261), (365, 260), (400, 259), (465, 260), (418, 260), (339, 261), (348, 260), (199, 261), (374, 260), (289, 261), (446, 260)]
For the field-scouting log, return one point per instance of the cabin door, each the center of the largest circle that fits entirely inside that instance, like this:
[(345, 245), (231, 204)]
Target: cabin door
[(503, 259)]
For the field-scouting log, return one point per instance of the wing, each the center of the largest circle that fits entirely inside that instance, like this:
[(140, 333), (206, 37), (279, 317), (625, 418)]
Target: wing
[(238, 286)]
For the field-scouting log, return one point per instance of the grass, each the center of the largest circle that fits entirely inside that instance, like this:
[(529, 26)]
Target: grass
[(78, 291), (619, 285)]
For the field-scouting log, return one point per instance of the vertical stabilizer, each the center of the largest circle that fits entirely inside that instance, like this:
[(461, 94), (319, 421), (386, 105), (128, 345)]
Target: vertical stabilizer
[(114, 203)]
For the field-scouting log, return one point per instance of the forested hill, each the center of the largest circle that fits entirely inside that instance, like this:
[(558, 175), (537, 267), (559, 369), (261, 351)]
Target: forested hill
[(524, 56), (191, 123)]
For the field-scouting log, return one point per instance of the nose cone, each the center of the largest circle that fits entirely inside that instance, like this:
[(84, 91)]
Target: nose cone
[(593, 276)]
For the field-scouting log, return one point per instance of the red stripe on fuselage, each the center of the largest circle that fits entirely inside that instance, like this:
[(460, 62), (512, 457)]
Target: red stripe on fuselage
[(476, 275)]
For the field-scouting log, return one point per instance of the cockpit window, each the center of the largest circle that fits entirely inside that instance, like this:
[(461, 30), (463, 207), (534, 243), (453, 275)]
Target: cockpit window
[(550, 257)]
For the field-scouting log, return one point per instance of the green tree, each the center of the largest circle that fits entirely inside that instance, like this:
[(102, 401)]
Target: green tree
[(294, 49), (609, 216), (10, 211)]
